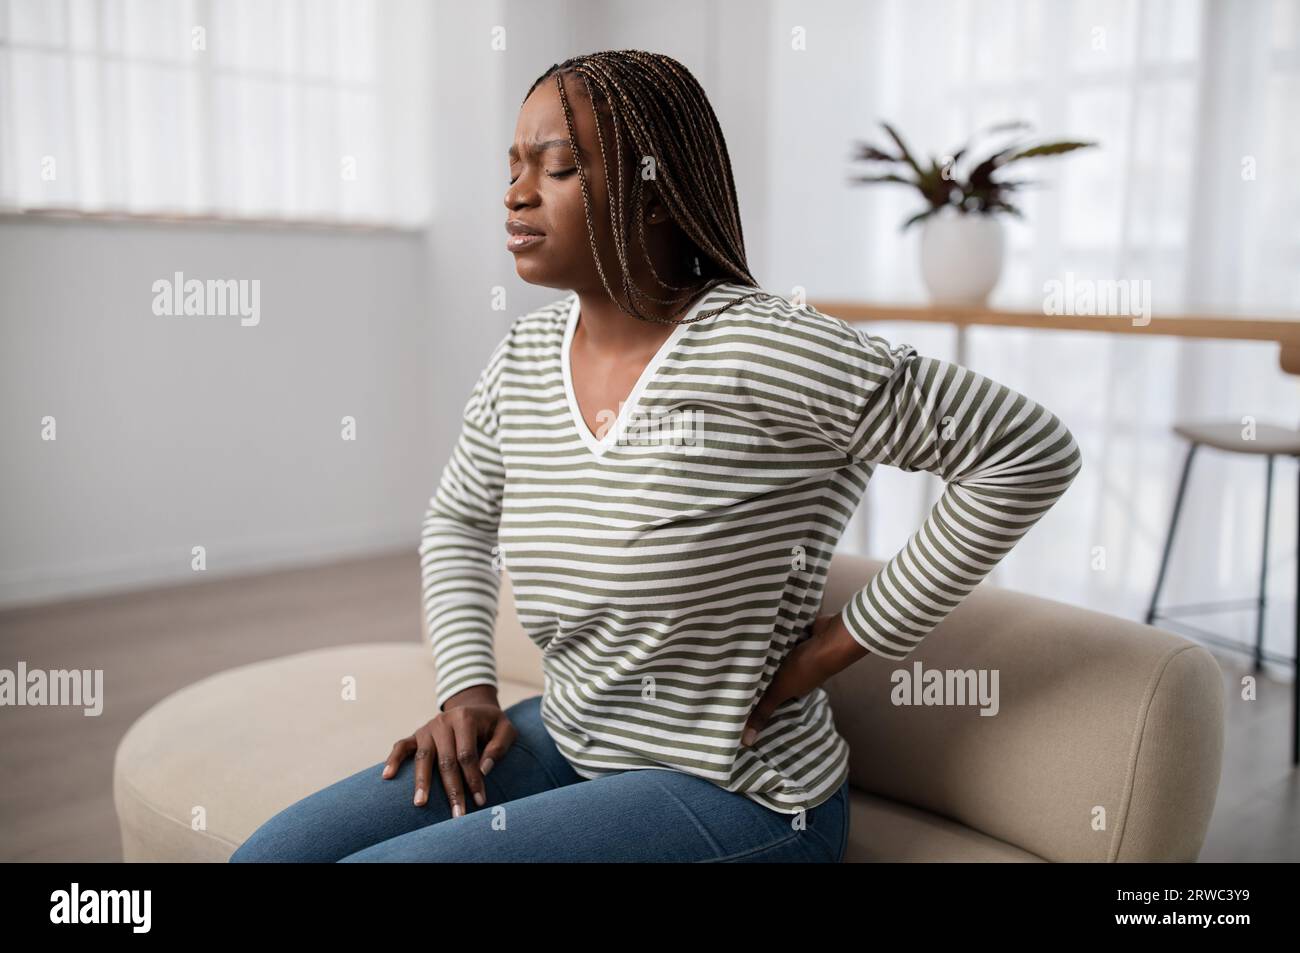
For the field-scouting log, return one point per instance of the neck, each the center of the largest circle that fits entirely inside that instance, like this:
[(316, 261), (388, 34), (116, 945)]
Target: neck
[(604, 326)]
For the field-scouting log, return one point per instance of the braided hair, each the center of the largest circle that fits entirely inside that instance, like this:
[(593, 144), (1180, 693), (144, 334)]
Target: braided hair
[(655, 102)]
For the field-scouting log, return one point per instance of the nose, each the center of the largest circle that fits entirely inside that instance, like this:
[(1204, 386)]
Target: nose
[(517, 196)]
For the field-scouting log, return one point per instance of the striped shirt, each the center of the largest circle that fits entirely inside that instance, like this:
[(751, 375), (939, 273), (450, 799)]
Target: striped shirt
[(665, 566)]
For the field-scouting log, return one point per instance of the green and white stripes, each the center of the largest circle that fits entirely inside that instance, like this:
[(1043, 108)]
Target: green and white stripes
[(665, 580)]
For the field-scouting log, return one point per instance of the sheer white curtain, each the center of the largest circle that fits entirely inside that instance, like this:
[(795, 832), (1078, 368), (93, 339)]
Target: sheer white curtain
[(1194, 103), (279, 109)]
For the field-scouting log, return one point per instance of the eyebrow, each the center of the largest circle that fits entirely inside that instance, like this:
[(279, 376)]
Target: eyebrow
[(535, 147)]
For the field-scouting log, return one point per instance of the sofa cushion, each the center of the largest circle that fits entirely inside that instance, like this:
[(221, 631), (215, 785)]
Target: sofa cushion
[(246, 743)]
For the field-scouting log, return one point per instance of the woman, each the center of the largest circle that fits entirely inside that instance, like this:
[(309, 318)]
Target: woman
[(666, 473)]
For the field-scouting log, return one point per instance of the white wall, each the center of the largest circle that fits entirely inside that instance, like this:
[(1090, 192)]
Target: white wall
[(174, 432)]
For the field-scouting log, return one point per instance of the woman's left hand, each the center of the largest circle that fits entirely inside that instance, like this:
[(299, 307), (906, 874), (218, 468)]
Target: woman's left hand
[(829, 650)]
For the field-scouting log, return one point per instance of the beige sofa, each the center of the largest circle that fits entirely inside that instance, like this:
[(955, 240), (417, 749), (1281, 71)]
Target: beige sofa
[(1106, 746)]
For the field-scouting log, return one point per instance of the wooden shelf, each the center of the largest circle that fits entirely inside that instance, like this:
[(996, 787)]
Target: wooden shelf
[(1280, 330)]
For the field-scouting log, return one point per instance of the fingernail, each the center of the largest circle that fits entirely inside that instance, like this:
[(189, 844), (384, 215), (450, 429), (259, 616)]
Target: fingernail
[(419, 796), (748, 737), (384, 773), (487, 765), (457, 810), (479, 799)]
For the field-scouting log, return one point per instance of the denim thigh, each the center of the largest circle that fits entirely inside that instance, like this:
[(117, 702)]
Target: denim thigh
[(366, 809), (642, 815)]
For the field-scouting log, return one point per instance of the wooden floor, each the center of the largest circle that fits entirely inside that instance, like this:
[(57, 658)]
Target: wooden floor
[(56, 764), (56, 799)]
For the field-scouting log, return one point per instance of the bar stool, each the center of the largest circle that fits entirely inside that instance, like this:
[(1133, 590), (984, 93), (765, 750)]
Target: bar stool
[(1270, 441)]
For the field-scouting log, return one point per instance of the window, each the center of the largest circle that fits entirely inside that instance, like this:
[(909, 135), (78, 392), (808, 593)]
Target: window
[(294, 110)]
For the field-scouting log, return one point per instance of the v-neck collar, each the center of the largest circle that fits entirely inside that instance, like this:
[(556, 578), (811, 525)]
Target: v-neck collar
[(598, 447)]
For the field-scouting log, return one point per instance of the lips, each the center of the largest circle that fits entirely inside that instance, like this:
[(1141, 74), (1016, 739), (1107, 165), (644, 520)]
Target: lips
[(522, 235)]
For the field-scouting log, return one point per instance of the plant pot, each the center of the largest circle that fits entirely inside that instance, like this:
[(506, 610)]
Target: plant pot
[(961, 257)]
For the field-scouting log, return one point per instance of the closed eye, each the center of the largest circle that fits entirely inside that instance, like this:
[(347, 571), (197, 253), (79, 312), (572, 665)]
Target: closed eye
[(554, 175)]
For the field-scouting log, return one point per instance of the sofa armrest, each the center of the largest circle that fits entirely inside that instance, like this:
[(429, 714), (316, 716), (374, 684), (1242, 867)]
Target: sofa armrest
[(1103, 742)]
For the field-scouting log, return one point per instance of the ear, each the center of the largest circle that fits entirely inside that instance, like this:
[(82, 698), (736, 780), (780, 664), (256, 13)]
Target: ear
[(656, 213)]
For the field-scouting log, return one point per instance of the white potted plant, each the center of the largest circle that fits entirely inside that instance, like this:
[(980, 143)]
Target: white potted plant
[(962, 241)]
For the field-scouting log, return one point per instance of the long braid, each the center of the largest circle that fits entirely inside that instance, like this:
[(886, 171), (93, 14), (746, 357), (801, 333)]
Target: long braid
[(658, 107)]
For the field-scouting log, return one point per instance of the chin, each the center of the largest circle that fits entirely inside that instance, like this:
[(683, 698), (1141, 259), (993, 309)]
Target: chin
[(535, 273)]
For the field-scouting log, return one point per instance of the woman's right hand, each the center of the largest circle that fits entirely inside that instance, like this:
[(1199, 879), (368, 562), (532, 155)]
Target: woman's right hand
[(452, 738)]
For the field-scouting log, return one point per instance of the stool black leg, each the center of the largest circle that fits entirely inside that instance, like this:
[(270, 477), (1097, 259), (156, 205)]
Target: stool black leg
[(1173, 525), (1263, 570)]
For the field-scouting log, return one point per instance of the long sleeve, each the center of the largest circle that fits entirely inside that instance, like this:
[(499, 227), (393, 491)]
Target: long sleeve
[(1005, 461), (458, 542)]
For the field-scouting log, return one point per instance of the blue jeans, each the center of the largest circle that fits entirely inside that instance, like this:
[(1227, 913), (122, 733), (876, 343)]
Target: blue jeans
[(539, 809)]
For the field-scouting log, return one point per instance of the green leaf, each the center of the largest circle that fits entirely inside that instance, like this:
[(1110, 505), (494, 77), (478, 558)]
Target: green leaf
[(1006, 126), (1006, 207), (866, 152), (883, 178), (902, 148), (919, 216), (1049, 149)]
